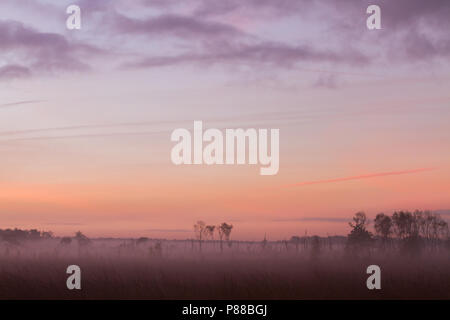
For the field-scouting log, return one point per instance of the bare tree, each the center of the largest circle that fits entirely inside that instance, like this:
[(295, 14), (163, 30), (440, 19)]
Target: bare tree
[(224, 233), (209, 232), (199, 229)]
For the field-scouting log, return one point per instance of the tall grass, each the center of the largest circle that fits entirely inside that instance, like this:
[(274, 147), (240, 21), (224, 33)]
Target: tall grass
[(112, 269)]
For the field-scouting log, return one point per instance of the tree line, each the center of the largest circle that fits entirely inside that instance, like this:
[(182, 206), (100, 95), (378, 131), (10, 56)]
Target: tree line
[(17, 235), (410, 229)]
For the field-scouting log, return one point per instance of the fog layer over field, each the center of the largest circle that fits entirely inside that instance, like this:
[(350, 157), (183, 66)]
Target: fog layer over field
[(163, 269)]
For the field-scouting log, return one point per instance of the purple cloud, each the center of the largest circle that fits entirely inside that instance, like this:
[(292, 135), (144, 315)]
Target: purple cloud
[(13, 72), (412, 30), (271, 53), (40, 52), (177, 25), (267, 7)]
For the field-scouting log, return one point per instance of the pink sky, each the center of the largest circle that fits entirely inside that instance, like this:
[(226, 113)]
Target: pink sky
[(86, 115)]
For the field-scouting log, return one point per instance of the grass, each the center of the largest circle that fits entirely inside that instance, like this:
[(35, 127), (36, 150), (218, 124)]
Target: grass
[(38, 271)]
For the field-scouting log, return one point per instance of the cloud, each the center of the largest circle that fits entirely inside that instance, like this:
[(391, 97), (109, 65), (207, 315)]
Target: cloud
[(169, 230), (13, 72), (18, 103), (208, 42), (214, 32), (417, 45), (395, 13), (78, 127), (36, 51), (312, 219), (272, 116), (176, 25), (326, 81), (360, 177), (81, 136), (220, 43), (271, 53), (411, 29), (399, 13), (65, 224), (266, 7)]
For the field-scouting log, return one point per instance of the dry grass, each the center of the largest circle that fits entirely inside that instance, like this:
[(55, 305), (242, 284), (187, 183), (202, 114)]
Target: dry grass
[(37, 271)]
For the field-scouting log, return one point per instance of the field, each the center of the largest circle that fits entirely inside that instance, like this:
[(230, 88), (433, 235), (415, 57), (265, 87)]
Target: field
[(169, 269)]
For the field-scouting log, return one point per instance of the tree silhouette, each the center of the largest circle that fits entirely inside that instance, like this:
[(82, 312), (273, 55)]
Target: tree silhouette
[(264, 242), (419, 228), (224, 233), (46, 235), (315, 247), (65, 241), (383, 226), (403, 224), (199, 229), (141, 240), (296, 241), (209, 232), (15, 236), (359, 235), (82, 240)]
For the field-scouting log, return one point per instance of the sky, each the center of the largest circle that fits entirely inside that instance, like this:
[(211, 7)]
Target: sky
[(86, 115)]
